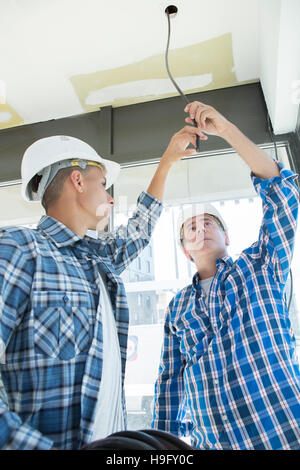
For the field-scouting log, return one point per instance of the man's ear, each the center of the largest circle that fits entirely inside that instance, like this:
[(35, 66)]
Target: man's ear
[(76, 180)]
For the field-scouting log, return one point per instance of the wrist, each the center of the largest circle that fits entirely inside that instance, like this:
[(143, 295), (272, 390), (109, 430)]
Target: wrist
[(229, 132), (165, 163)]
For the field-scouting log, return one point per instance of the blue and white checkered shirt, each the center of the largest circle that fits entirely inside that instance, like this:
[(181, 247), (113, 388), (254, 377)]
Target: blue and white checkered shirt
[(50, 325), (230, 359)]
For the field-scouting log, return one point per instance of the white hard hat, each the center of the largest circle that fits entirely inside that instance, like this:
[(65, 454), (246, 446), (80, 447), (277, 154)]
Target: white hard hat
[(193, 210), (50, 150)]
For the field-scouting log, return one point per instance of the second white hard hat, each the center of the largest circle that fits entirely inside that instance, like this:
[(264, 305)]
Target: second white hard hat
[(50, 150)]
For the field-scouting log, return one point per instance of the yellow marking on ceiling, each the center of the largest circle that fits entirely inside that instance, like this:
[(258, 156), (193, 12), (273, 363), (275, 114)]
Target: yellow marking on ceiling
[(14, 119), (213, 57)]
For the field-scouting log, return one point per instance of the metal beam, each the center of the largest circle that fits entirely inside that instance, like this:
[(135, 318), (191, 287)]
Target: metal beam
[(141, 132)]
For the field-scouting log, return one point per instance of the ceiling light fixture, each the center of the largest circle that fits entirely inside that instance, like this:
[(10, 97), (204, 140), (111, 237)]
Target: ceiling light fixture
[(171, 11)]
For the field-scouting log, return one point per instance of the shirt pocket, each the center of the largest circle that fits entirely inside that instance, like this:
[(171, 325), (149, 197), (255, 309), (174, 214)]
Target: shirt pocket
[(62, 323), (193, 333)]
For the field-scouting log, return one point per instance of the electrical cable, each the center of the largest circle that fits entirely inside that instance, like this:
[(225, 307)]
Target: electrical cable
[(172, 79)]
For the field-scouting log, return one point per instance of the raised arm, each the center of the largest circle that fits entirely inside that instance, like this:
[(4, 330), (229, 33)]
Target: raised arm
[(275, 185), (210, 121)]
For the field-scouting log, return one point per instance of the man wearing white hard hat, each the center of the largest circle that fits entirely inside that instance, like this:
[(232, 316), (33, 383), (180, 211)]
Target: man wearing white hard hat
[(63, 309), (229, 353)]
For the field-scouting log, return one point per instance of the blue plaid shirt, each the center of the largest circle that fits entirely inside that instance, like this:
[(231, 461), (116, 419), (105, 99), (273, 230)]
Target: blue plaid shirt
[(50, 325), (230, 359)]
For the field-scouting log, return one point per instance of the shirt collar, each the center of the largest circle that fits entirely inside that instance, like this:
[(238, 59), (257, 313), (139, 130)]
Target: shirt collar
[(226, 260), (58, 232), (220, 262)]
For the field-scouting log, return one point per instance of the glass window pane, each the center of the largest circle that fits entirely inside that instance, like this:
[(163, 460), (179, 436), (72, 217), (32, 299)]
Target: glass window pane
[(16, 211), (210, 178)]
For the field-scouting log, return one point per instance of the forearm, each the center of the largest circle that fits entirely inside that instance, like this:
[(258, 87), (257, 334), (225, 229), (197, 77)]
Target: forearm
[(123, 244), (261, 164), (158, 182)]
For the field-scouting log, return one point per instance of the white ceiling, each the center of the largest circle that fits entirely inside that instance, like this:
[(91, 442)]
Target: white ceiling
[(65, 57)]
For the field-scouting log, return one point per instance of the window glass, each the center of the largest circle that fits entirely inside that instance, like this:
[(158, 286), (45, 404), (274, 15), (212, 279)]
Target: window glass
[(14, 210)]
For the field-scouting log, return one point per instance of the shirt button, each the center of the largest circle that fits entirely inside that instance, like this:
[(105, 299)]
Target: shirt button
[(224, 418), (65, 299), (215, 325), (216, 382)]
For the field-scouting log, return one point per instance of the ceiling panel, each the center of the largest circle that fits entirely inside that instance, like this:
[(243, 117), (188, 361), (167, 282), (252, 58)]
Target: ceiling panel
[(65, 57)]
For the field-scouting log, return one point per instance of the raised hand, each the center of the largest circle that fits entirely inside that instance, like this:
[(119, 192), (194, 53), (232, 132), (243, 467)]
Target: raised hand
[(208, 118), (177, 147)]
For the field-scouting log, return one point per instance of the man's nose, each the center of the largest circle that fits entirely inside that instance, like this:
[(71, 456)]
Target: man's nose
[(201, 228)]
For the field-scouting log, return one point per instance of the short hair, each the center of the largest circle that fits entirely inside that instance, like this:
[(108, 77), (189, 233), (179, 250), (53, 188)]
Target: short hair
[(54, 190)]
